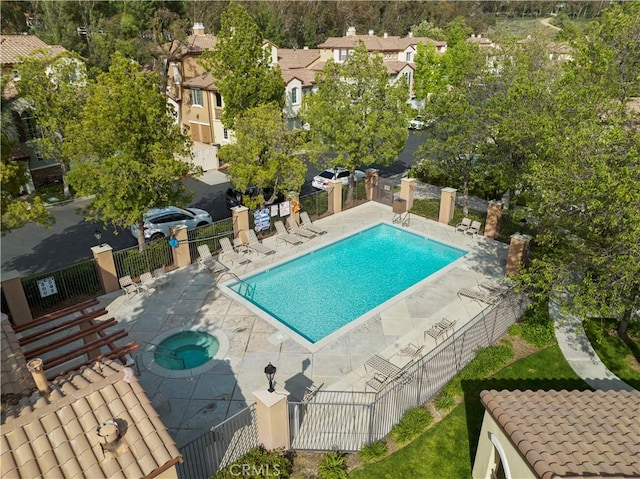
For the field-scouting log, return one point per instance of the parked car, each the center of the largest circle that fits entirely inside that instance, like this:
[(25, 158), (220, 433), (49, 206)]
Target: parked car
[(159, 221), (418, 123), (321, 181), (233, 197)]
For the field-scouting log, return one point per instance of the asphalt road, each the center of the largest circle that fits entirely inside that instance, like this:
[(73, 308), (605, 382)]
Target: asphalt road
[(34, 249)]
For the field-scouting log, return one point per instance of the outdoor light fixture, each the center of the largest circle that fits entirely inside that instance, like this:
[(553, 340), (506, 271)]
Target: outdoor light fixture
[(270, 372), (98, 235)]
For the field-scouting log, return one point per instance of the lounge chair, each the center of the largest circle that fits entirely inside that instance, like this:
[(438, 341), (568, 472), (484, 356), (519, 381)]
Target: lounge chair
[(229, 253), (127, 284), (207, 260), (411, 350), (382, 366), (160, 276), (495, 287), (295, 229), (377, 382), (435, 332), (446, 324), (489, 298), (255, 244), (146, 282), (309, 225), (284, 235), (464, 225), (474, 229)]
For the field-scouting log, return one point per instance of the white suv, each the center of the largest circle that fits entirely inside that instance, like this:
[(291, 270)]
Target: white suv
[(159, 221), (418, 123), (321, 181)]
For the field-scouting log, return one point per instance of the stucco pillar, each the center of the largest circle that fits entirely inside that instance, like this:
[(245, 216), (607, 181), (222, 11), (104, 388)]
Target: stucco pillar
[(240, 217), (16, 299), (335, 196), (494, 215), (447, 205), (181, 254), (103, 255), (272, 413), (407, 188), (294, 199), (371, 182), (518, 249)]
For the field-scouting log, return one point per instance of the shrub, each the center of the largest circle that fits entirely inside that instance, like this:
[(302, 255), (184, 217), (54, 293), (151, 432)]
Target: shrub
[(413, 423), (333, 466), (258, 463), (445, 400), (373, 451), (537, 326)]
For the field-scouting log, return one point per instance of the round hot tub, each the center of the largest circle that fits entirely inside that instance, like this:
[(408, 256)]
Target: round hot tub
[(186, 350)]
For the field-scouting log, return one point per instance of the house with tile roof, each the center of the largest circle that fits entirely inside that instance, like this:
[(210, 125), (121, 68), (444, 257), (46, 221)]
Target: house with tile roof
[(553, 434), (13, 49), (94, 422)]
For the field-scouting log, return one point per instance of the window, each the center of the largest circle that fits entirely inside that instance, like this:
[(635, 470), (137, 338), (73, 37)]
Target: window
[(218, 100), (225, 134), (15, 74), (408, 56), (176, 74), (30, 128), (195, 96), (294, 96), (344, 53)]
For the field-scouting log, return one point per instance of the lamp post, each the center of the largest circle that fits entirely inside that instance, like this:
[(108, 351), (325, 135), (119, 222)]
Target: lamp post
[(270, 372), (98, 235)]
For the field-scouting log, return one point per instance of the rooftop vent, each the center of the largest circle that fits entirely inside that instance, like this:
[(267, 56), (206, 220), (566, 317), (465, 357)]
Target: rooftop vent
[(385, 35), (109, 435), (36, 368), (371, 33), (198, 28), (351, 31)]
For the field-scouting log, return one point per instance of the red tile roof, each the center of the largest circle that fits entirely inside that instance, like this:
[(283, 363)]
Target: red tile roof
[(14, 47), (56, 436), (14, 366), (375, 43), (571, 433)]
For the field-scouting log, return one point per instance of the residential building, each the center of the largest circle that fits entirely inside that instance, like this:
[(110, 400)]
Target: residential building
[(547, 434), (13, 49)]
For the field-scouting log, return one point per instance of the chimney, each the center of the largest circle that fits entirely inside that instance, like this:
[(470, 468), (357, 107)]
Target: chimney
[(35, 367), (109, 435), (305, 47), (479, 35), (198, 28), (370, 33), (410, 34), (351, 31), (385, 35), (473, 35)]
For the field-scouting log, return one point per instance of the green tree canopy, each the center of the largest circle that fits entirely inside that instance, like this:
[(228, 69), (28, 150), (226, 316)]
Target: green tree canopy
[(356, 114), (264, 155), (241, 66), (124, 146)]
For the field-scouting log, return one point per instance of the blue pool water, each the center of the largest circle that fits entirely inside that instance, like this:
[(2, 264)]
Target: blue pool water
[(322, 291), (186, 350)]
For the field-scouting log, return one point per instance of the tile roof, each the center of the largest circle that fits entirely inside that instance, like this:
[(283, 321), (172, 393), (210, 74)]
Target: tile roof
[(204, 82), (571, 433), (56, 436), (13, 378), (375, 43), (14, 47), (307, 77), (194, 45), (295, 58)]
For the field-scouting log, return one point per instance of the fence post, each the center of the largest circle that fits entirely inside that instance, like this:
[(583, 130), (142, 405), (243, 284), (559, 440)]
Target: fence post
[(518, 249), (240, 216), (370, 183), (494, 215), (407, 186), (272, 413), (335, 196), (103, 255), (447, 205), (16, 299), (181, 254)]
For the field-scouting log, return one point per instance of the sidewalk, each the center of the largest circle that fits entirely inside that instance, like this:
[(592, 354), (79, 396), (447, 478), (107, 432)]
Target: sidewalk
[(579, 353)]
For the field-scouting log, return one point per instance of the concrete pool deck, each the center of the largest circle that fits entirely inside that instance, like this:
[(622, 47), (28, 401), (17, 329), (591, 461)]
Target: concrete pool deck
[(189, 405)]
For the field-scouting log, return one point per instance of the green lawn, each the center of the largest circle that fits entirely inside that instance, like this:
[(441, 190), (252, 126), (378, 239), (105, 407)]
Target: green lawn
[(448, 448), (621, 357)]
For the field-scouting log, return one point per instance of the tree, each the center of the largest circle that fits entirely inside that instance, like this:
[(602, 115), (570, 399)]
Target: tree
[(55, 89), (264, 155), (124, 147), (242, 67), (356, 114)]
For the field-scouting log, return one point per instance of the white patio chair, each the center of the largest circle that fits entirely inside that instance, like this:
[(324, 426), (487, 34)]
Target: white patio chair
[(306, 223), (130, 288), (147, 283), (295, 229), (229, 253), (160, 276), (464, 225)]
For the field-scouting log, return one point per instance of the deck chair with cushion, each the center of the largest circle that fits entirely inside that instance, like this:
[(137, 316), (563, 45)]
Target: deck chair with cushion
[(488, 298), (474, 229), (229, 253), (130, 288), (309, 225), (295, 229), (464, 225), (284, 235), (255, 245), (206, 259)]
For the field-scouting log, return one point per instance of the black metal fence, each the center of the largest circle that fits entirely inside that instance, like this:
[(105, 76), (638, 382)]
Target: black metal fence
[(55, 290), (209, 235), (221, 446), (132, 262)]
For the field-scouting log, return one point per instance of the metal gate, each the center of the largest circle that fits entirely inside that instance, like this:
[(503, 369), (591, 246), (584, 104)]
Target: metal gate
[(383, 191)]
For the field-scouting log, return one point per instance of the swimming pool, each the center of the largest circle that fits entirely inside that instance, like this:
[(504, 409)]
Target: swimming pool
[(320, 292)]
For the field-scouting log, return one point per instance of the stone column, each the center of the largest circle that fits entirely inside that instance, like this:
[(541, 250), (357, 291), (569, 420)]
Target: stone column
[(273, 418), (335, 196), (240, 216), (494, 215), (103, 255), (181, 254), (518, 249), (447, 205), (371, 182), (407, 187), (16, 299)]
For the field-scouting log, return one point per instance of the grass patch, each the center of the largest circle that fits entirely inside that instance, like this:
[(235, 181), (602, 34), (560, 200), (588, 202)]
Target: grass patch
[(412, 424), (618, 355), (447, 449)]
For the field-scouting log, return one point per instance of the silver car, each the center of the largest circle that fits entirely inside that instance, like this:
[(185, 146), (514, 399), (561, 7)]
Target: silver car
[(321, 181), (159, 221)]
